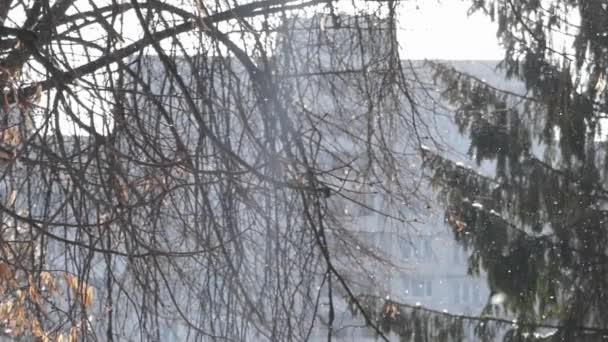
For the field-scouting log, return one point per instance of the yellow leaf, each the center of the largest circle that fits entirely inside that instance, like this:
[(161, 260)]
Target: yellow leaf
[(5, 310), (460, 226), (83, 291), (392, 311), (36, 329), (12, 198), (46, 279), (87, 297), (35, 295), (73, 334), (5, 272), (19, 316), (71, 281), (20, 296), (121, 190), (11, 136), (38, 94)]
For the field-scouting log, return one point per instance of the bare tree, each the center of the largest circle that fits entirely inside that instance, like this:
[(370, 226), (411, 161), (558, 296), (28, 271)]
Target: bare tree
[(190, 171)]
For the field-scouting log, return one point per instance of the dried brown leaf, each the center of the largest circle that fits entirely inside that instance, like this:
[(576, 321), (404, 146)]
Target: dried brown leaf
[(11, 136), (36, 328), (73, 337)]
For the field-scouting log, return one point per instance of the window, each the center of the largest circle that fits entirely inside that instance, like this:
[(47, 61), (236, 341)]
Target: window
[(429, 288), (476, 293), (418, 287), (456, 292), (356, 204), (405, 284), (337, 206), (465, 293), (405, 250), (427, 250), (364, 205), (460, 255), (419, 249)]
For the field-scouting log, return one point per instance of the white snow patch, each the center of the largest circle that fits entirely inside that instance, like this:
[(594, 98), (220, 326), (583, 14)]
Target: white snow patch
[(477, 205), (498, 298)]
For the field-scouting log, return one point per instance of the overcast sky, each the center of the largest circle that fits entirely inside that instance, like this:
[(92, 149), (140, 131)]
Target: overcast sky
[(442, 30)]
